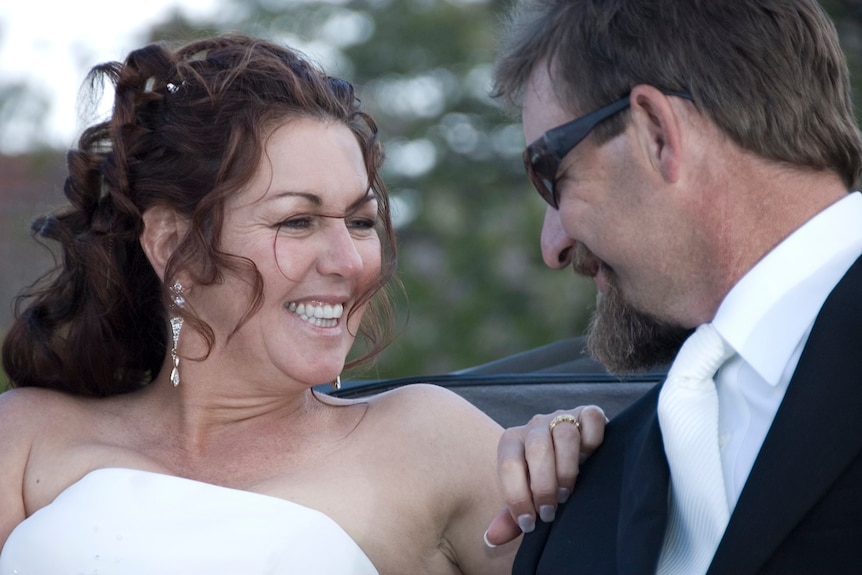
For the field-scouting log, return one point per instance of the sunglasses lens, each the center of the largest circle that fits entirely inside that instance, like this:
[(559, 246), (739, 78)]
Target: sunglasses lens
[(542, 169)]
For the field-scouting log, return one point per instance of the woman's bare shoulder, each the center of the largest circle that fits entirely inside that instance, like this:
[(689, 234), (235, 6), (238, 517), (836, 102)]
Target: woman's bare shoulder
[(26, 406), (451, 446), (432, 420), (23, 413), (23, 403), (30, 413), (432, 403)]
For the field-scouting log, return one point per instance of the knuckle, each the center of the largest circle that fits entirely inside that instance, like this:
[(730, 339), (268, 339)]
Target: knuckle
[(510, 434), (537, 420), (538, 448), (520, 504), (567, 430), (510, 466), (510, 442), (592, 412), (544, 488), (568, 476)]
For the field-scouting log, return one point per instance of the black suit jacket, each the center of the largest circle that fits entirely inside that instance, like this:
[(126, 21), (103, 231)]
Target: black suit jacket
[(800, 510)]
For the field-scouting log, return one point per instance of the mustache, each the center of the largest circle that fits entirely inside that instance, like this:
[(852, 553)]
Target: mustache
[(585, 262)]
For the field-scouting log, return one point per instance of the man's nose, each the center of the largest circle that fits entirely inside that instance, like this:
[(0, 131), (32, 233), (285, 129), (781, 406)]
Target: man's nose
[(556, 244)]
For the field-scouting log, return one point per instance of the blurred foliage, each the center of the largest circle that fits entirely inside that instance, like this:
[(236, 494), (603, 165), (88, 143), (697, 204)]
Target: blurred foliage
[(21, 107), (468, 220), (4, 381)]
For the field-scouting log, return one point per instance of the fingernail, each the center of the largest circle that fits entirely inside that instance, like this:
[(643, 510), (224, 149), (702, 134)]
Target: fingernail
[(488, 543), (547, 513), (526, 522), (563, 495)]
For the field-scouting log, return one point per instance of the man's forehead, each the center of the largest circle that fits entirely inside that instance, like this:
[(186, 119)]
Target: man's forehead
[(541, 109), (540, 85)]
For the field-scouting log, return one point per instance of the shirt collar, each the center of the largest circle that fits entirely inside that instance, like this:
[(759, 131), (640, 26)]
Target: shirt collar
[(769, 311)]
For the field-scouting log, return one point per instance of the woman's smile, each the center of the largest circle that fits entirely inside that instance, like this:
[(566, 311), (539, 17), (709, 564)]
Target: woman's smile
[(315, 313)]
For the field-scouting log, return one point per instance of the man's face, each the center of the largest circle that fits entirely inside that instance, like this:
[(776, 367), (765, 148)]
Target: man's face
[(603, 230), (625, 340)]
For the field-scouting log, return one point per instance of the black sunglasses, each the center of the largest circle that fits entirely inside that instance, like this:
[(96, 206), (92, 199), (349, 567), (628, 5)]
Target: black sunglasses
[(542, 158)]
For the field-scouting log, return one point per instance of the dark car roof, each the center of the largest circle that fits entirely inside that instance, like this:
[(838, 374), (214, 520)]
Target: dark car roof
[(512, 389)]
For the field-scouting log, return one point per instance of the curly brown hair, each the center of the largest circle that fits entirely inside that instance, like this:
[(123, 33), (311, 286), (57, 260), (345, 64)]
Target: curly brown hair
[(187, 132)]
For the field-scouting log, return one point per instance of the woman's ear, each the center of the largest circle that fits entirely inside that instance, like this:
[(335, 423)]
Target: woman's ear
[(163, 229)]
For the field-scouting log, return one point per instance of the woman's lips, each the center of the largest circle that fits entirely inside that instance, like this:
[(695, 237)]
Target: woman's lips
[(318, 314)]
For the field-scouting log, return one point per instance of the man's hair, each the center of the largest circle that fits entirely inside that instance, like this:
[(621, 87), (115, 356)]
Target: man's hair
[(769, 73)]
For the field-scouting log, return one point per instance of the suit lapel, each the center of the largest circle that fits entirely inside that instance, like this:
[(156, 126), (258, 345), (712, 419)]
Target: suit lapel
[(817, 431), (643, 501)]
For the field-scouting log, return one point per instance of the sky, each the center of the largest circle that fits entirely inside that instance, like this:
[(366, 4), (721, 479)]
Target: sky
[(52, 45)]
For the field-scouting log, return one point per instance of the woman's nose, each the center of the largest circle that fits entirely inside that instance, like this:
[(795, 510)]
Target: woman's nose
[(341, 255)]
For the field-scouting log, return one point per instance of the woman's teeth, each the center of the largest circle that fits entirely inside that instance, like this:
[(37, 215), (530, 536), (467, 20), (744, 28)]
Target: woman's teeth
[(320, 315)]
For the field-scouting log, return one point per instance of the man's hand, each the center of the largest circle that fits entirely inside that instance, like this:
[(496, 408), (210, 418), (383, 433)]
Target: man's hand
[(537, 467)]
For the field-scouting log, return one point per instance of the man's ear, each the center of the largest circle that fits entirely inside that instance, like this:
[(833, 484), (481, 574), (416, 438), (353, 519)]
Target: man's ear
[(163, 229), (658, 129)]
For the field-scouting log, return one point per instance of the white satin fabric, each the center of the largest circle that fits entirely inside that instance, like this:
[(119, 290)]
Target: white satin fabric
[(130, 522)]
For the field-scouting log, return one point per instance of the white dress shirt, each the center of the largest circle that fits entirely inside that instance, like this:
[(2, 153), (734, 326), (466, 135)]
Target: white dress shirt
[(767, 318)]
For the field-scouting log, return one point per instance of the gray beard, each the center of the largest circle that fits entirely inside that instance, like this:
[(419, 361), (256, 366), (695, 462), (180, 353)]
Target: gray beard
[(625, 340)]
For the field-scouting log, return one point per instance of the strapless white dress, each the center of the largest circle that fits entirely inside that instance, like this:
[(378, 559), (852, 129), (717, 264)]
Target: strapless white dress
[(129, 522)]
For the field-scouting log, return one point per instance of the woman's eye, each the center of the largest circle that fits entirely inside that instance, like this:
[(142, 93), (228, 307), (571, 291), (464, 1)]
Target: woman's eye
[(300, 223), (361, 223)]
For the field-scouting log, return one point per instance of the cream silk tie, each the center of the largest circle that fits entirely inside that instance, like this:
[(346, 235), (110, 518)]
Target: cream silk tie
[(688, 417)]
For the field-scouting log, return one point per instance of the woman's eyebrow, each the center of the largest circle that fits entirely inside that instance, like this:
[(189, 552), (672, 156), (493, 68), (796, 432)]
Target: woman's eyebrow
[(316, 200), (370, 196), (313, 198)]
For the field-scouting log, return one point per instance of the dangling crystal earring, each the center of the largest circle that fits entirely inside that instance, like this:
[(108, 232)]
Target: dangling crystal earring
[(178, 301), (336, 385)]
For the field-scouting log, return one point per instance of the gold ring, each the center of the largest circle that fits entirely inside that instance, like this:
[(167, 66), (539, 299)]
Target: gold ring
[(565, 418)]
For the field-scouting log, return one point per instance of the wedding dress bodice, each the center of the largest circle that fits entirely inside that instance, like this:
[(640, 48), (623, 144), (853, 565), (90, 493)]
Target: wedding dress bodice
[(129, 522)]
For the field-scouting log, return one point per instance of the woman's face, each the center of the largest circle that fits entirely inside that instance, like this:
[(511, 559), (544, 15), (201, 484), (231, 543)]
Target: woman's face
[(307, 221)]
